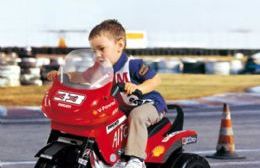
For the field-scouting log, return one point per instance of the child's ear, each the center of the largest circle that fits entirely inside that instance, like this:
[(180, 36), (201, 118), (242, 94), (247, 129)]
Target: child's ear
[(121, 43)]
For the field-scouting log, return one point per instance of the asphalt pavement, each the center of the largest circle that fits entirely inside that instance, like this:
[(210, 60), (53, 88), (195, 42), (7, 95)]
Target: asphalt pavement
[(24, 130), (32, 114)]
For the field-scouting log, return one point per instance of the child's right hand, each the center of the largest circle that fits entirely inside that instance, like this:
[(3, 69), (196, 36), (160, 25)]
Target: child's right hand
[(52, 74)]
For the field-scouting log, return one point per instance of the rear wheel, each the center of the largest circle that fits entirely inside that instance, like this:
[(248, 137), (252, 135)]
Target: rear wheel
[(188, 160)]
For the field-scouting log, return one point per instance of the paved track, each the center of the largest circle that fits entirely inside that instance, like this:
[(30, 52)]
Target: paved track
[(20, 141)]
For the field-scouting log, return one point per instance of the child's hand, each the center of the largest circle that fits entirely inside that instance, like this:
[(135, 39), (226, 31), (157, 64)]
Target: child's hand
[(51, 75), (130, 87)]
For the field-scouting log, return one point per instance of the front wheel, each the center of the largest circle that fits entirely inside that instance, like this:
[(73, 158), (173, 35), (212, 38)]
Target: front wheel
[(188, 160), (44, 163)]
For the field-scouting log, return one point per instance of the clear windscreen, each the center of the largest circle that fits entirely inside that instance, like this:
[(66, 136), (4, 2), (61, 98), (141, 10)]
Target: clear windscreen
[(83, 70)]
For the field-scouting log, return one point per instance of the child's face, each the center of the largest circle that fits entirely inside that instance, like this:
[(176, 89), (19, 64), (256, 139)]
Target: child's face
[(106, 47)]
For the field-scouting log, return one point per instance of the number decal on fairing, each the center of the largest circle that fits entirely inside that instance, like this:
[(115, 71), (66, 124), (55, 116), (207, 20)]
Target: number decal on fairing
[(69, 97)]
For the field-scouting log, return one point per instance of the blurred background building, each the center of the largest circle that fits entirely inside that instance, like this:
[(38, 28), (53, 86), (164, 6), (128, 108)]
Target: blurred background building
[(35, 35), (168, 23)]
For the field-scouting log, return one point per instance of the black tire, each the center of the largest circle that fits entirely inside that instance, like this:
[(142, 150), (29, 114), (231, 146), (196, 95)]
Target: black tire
[(44, 163), (188, 160)]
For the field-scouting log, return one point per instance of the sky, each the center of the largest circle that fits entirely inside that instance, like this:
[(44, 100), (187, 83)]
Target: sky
[(167, 23)]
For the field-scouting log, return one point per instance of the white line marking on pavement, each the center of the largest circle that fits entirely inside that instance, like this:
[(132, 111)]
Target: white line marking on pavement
[(237, 150), (17, 163), (21, 121), (221, 164), (233, 163), (252, 112)]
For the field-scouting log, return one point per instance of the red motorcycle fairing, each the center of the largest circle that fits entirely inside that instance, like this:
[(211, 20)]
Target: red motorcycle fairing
[(87, 114), (111, 141), (161, 146), (79, 107)]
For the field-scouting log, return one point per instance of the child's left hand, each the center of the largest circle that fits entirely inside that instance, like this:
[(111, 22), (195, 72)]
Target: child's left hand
[(130, 87)]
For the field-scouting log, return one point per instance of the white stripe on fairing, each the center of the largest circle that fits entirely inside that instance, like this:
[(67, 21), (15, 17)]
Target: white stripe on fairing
[(120, 121)]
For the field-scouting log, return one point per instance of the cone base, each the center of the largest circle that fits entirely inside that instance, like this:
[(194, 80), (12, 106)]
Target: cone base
[(225, 156)]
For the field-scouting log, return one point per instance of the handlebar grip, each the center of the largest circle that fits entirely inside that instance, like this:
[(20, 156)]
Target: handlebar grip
[(121, 87), (137, 92)]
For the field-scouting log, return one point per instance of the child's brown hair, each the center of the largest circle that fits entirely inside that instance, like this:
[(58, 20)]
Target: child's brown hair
[(110, 27)]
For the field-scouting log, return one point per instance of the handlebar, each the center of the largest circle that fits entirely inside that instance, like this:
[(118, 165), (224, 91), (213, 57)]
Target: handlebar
[(121, 87)]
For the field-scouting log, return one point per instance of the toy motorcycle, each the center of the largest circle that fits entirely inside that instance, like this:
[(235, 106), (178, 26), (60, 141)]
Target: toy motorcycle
[(88, 129)]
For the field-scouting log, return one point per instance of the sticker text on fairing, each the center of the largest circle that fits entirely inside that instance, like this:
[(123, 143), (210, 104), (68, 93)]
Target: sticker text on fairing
[(119, 135), (112, 126), (67, 97), (189, 140)]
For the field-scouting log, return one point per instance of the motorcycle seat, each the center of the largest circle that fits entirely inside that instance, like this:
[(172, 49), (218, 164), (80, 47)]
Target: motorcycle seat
[(158, 126)]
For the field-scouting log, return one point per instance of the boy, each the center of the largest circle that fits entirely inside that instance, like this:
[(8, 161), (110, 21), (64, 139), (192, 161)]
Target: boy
[(108, 40)]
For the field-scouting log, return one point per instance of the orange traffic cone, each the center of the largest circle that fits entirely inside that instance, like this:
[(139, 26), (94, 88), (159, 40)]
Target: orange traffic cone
[(226, 146)]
